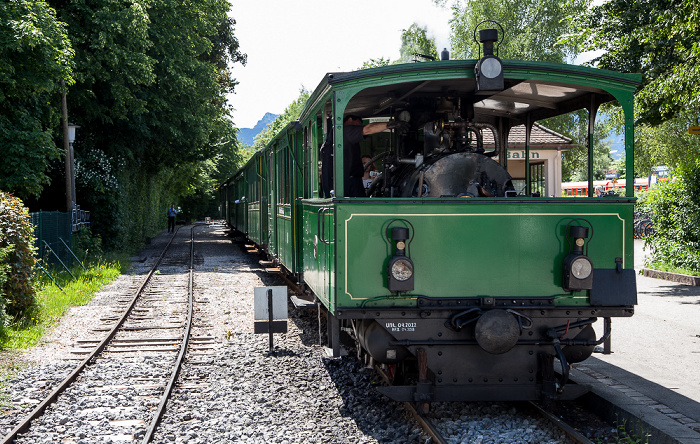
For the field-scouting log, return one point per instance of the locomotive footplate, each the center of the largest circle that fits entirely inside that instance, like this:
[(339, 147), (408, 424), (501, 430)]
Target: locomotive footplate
[(489, 355)]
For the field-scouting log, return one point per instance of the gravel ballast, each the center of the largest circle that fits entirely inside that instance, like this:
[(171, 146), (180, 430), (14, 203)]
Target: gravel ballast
[(234, 390)]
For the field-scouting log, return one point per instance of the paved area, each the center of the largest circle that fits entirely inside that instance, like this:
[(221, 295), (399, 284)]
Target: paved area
[(656, 357)]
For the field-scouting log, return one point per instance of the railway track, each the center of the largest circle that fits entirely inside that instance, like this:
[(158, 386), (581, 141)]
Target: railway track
[(433, 428), (120, 388)]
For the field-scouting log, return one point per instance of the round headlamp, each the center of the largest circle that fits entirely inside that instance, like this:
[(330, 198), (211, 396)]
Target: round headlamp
[(581, 268), (491, 67), (402, 270)]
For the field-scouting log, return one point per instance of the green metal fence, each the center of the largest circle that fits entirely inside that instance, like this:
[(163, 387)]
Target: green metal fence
[(53, 237)]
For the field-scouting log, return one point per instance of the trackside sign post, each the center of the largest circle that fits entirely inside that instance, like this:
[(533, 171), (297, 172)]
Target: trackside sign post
[(270, 304)]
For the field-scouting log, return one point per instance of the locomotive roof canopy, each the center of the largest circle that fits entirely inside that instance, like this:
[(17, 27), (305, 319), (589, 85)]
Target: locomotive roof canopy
[(543, 89), (541, 99)]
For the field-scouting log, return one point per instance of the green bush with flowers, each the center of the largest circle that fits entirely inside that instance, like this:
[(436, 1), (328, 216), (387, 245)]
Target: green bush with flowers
[(17, 259)]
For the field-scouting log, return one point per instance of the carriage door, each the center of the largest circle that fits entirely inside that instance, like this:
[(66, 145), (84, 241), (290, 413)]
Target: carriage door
[(326, 250)]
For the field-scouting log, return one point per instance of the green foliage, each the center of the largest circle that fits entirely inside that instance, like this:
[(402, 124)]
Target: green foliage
[(375, 63), (86, 245), (17, 258), (415, 43), (666, 144), (532, 27), (152, 78), (230, 158), (674, 207), (415, 40), (5, 269), (150, 97), (575, 161), (658, 38), (631, 433), (35, 55), (290, 114), (141, 204)]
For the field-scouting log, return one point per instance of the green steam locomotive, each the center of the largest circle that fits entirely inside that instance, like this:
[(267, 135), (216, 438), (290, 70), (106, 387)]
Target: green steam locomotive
[(459, 269)]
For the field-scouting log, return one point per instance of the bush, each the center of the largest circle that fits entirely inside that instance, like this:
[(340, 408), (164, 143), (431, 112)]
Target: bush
[(674, 207), (17, 256), (85, 245)]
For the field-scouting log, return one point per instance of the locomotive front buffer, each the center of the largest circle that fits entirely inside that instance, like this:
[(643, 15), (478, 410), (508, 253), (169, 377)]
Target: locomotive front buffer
[(482, 348)]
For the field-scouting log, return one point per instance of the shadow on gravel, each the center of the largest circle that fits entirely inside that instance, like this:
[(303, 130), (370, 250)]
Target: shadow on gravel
[(385, 420)]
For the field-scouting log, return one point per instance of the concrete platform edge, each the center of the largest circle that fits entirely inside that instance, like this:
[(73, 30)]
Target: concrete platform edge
[(639, 420), (673, 277)]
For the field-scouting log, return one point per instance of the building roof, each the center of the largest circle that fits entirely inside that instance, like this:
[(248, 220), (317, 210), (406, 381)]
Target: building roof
[(540, 137)]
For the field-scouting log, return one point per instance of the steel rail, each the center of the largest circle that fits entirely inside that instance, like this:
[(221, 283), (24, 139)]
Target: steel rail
[(183, 349), (39, 409), (566, 428), (424, 422)]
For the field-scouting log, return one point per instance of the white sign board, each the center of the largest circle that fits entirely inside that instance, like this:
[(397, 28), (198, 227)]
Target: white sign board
[(279, 303)]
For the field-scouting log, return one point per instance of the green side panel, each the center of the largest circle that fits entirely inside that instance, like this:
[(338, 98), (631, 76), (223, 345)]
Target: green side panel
[(238, 204), (490, 249), (318, 249), (285, 236), (254, 226)]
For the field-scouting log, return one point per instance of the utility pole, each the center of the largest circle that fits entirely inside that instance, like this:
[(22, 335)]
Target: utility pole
[(67, 146)]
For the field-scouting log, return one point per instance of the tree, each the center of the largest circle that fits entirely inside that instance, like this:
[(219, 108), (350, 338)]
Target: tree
[(658, 38), (415, 46), (35, 55), (415, 43), (375, 63), (532, 27), (188, 111), (666, 144), (150, 97)]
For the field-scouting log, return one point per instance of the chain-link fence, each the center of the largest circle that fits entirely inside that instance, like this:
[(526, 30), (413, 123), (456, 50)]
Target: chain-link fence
[(53, 237)]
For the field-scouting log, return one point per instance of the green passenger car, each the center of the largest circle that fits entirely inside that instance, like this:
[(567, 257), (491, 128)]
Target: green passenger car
[(461, 272)]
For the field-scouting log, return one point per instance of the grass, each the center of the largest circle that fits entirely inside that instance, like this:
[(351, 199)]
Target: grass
[(52, 303), (625, 436)]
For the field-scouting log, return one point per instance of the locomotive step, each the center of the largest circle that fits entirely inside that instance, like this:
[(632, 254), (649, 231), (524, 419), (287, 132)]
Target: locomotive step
[(302, 303)]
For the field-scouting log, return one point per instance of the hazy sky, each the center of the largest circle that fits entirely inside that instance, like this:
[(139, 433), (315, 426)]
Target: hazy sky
[(291, 44)]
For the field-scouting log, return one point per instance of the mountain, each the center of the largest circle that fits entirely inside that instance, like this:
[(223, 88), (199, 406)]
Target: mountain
[(247, 135)]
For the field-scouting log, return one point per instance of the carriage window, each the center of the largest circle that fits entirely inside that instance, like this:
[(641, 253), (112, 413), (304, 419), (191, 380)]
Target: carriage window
[(537, 179), (307, 164), (283, 176)]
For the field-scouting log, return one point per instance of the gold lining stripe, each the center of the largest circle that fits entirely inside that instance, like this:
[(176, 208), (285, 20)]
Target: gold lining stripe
[(573, 215)]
